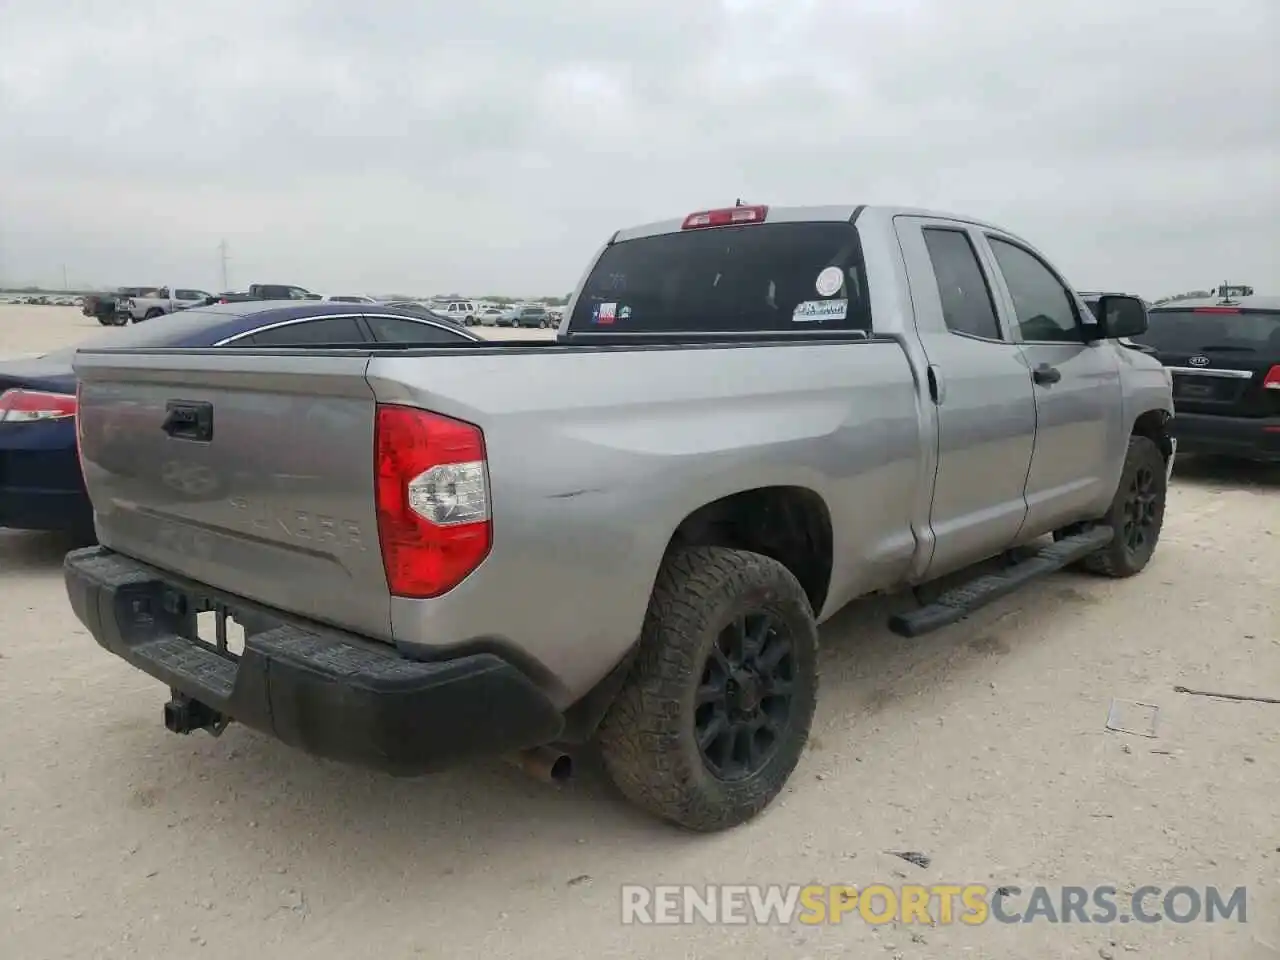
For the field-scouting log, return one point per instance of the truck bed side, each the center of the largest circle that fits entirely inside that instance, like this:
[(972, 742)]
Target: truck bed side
[(595, 459)]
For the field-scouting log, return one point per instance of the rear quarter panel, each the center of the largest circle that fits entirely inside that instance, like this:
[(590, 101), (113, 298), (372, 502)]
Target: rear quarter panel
[(595, 458)]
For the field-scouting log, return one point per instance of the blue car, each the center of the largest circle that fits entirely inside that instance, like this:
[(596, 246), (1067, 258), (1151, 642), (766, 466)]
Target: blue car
[(40, 483)]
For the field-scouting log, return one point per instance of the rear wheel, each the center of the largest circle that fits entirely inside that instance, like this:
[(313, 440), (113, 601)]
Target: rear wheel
[(153, 313), (716, 711)]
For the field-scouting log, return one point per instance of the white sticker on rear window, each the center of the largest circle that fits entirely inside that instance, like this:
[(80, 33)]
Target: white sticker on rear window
[(829, 281), (810, 311)]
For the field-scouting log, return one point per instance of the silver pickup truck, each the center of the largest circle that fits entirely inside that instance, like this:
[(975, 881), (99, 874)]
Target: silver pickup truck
[(629, 535)]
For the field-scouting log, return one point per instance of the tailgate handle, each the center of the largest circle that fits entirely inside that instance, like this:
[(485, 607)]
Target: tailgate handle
[(188, 421)]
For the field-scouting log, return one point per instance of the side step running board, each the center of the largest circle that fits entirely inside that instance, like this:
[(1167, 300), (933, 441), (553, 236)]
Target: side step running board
[(957, 603)]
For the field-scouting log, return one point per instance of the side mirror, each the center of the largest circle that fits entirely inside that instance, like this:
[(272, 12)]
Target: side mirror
[(1120, 316)]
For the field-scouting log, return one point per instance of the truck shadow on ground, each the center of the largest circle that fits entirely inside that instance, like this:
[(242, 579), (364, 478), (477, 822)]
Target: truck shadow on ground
[(246, 798)]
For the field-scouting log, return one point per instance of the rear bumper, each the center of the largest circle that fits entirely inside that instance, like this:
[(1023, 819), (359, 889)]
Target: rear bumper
[(320, 690), (1252, 438)]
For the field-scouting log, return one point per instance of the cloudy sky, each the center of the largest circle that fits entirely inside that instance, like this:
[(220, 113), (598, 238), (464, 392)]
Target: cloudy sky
[(489, 146)]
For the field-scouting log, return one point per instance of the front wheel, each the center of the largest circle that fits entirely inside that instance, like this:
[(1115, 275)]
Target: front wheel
[(1136, 514), (716, 711)]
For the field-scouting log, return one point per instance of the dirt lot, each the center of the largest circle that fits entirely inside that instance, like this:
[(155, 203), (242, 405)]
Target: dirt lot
[(982, 746)]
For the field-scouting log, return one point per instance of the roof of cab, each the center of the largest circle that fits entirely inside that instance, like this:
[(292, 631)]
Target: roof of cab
[(814, 214)]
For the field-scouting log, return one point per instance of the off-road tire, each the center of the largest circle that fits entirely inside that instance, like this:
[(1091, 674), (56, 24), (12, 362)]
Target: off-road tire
[(647, 738), (1117, 559)]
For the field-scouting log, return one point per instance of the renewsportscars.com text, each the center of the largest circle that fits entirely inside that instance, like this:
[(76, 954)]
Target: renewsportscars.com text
[(930, 905)]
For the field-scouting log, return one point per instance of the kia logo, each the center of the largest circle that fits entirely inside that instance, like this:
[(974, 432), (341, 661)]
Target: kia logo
[(1199, 361)]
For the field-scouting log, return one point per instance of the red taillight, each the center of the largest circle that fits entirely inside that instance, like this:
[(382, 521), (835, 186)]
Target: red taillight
[(1216, 310), (1272, 380), (22, 406), (726, 217), (434, 523)]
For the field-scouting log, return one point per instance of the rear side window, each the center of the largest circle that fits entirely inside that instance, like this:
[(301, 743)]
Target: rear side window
[(755, 278), (400, 330), (316, 333), (967, 306), (1189, 331)]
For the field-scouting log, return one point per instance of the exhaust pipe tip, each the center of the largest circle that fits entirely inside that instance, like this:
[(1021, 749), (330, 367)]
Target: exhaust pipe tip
[(561, 769), (546, 764)]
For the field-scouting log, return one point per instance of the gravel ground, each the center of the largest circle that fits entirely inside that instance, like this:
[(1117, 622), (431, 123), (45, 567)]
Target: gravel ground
[(982, 746)]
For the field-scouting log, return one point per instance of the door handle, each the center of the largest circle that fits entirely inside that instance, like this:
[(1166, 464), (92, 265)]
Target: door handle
[(1045, 374), (188, 421), (937, 386)]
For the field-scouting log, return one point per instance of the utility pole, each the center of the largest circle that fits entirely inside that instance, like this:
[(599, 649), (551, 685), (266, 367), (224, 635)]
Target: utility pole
[(222, 259), (65, 286)]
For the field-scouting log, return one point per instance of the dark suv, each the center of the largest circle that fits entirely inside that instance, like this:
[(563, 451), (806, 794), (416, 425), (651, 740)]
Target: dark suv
[(1225, 358)]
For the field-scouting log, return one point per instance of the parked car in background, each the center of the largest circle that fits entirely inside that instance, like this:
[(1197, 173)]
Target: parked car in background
[(41, 487), (1224, 354), (489, 316), (877, 398), (266, 291), (522, 315), (156, 303), (463, 311), (530, 316), (104, 306), (424, 309)]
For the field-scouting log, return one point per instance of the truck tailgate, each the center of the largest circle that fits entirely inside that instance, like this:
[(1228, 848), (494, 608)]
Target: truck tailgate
[(253, 474)]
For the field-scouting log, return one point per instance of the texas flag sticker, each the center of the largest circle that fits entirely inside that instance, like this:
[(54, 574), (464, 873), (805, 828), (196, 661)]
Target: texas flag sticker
[(606, 313)]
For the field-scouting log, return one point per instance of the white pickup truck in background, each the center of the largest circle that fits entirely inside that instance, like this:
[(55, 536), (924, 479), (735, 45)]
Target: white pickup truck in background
[(155, 303)]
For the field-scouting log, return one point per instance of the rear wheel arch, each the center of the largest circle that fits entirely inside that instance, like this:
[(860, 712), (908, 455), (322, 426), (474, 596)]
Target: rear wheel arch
[(789, 524)]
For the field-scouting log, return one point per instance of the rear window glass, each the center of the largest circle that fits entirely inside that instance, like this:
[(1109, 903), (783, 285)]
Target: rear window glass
[(1184, 331), (755, 278)]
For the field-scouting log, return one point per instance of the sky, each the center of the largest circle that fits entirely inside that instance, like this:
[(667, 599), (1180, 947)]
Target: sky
[(490, 147)]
